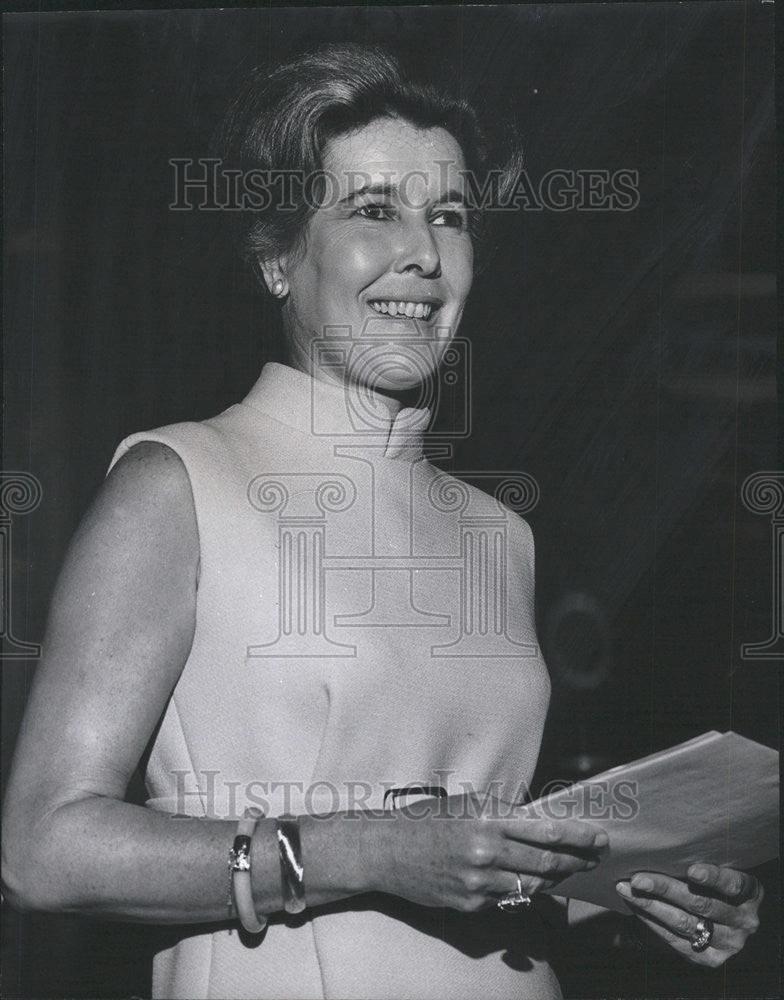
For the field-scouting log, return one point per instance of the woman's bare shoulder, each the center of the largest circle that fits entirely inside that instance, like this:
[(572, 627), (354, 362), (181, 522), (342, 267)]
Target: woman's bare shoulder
[(148, 483), (150, 464), (142, 522)]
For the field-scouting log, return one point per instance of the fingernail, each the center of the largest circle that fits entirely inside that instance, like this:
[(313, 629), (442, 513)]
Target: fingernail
[(642, 882), (698, 874), (623, 889), (601, 839), (591, 863)]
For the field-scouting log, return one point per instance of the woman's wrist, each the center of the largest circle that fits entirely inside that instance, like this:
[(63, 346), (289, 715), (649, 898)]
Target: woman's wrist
[(338, 854)]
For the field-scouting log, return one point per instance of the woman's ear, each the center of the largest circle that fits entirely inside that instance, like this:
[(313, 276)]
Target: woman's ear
[(274, 277)]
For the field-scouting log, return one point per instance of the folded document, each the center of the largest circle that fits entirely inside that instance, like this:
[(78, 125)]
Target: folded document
[(714, 799)]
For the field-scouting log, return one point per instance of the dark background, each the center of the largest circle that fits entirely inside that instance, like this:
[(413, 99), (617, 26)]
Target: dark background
[(625, 360)]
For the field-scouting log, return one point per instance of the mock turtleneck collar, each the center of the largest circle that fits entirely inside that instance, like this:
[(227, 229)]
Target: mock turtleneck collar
[(352, 415)]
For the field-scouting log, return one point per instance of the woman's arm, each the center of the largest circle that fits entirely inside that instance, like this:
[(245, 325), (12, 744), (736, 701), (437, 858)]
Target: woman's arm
[(119, 632)]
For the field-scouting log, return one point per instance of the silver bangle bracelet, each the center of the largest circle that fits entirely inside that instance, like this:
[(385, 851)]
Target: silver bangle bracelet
[(292, 872)]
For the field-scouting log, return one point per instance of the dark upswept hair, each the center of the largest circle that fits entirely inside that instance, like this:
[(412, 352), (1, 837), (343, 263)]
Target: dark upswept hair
[(283, 117)]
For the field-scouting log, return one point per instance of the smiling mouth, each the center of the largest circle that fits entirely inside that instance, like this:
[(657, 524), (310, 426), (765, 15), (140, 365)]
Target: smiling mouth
[(404, 309)]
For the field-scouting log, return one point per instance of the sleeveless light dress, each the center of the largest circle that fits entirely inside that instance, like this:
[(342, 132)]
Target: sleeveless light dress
[(364, 621)]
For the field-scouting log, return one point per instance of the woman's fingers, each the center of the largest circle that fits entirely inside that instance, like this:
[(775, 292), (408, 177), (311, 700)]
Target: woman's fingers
[(677, 911), (722, 895), (728, 883), (502, 882), (671, 916), (556, 834), (711, 957), (549, 850), (548, 863), (646, 886)]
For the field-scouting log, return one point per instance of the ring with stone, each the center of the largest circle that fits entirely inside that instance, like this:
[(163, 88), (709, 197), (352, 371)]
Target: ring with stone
[(516, 899), (703, 935)]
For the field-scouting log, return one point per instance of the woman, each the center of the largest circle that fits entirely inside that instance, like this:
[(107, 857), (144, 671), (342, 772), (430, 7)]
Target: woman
[(297, 613)]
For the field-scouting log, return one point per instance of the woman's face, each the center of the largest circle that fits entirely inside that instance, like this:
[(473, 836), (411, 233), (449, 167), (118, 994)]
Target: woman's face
[(377, 289)]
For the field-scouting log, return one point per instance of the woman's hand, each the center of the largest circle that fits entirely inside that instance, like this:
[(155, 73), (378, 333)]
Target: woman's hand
[(722, 897), (466, 852)]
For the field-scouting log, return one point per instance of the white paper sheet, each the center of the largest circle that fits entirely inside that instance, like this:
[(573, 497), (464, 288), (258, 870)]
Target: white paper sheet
[(713, 799)]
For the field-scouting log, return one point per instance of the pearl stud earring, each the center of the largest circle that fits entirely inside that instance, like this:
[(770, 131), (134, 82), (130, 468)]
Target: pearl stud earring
[(278, 287)]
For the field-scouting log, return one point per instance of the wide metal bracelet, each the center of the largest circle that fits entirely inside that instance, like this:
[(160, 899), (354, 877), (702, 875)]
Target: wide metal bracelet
[(292, 872)]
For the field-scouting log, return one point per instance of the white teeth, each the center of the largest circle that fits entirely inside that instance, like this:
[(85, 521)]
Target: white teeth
[(418, 310)]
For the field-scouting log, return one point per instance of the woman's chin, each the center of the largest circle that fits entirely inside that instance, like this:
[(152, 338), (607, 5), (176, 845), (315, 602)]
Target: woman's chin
[(394, 368), (395, 384)]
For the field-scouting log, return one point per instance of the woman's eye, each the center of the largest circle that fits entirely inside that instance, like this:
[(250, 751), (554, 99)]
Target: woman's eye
[(451, 218), (376, 212)]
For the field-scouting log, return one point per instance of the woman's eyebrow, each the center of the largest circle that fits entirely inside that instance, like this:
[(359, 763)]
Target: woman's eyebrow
[(453, 195), (391, 190), (379, 189)]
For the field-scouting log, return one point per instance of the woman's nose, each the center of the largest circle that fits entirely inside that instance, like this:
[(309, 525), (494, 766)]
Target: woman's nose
[(419, 251)]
